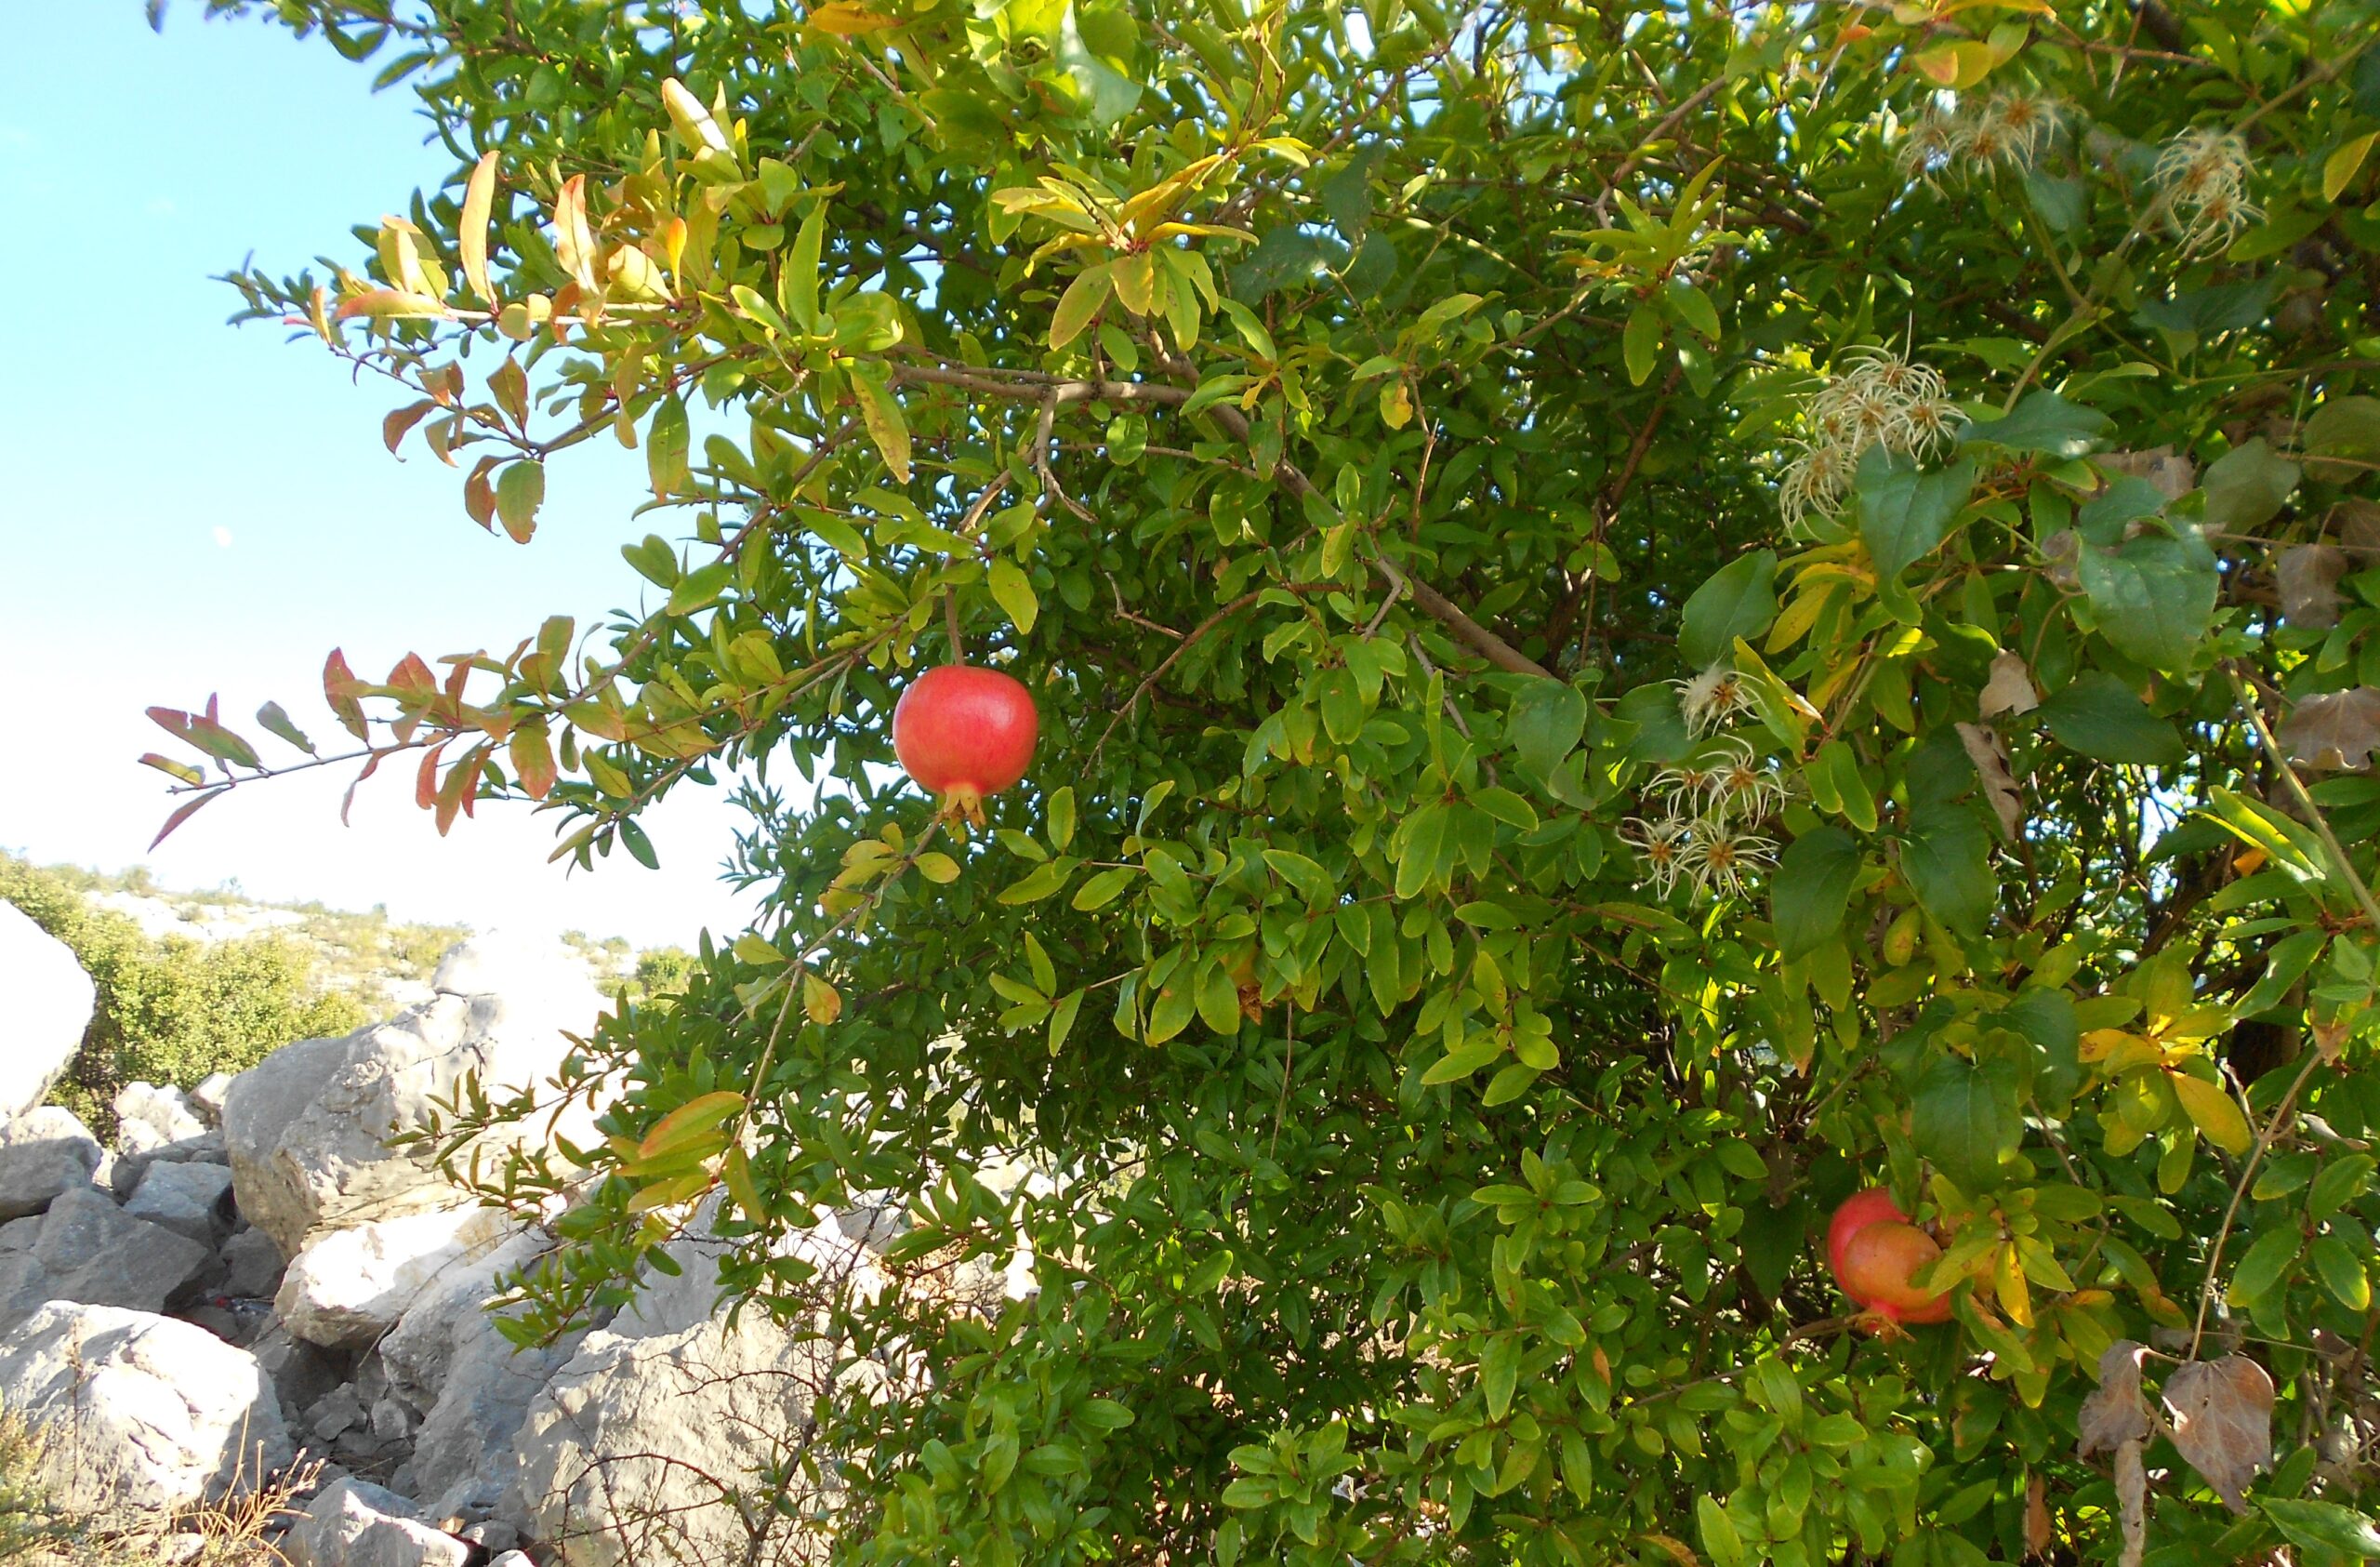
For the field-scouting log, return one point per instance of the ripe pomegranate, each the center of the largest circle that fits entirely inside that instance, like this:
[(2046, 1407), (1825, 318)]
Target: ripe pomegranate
[(964, 733), (1875, 1251)]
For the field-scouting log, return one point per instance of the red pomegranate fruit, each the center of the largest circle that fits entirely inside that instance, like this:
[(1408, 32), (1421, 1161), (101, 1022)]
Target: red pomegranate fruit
[(1875, 1251), (963, 733)]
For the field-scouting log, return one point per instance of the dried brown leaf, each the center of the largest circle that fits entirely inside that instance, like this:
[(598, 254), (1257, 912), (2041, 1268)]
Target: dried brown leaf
[(2132, 1503), (2115, 1413), (2039, 1534), (2307, 576), (1990, 754), (2222, 1419), (2357, 524), (2333, 729), (2172, 473), (2010, 689), (2062, 552)]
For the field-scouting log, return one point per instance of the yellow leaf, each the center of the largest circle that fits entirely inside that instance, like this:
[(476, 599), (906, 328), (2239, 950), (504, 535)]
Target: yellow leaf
[(694, 122), (845, 21), (740, 1186), (821, 1003), (388, 304), (470, 230), (2214, 1113), (664, 1194), (2009, 1283), (1959, 64), (752, 948), (2341, 168), (1395, 406), (938, 866)]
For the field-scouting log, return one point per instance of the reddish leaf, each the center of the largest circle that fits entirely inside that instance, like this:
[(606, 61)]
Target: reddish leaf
[(173, 720), (371, 766), (2307, 578), (185, 812), (2333, 729), (425, 781), (533, 759), (412, 676), (400, 423), (339, 687), (218, 741), (478, 494)]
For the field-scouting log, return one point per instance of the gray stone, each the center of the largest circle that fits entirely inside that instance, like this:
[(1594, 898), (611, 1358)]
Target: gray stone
[(138, 1411), (512, 1558), (307, 1127), (349, 1286), (44, 1151), (355, 1523), (254, 1265), (496, 1538), (192, 1200), (302, 1373), (447, 1359), (125, 1171), (334, 1413), (45, 1005), (389, 1420), (207, 1098), (150, 1118), (87, 1249), (654, 1448)]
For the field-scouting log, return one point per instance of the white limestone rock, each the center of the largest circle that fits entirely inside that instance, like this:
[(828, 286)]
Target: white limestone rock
[(138, 1411), (42, 1152), (307, 1128), (349, 1286), (45, 1005)]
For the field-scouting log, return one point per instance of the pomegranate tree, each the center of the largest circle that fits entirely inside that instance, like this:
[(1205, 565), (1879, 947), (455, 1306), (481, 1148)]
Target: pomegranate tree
[(964, 733)]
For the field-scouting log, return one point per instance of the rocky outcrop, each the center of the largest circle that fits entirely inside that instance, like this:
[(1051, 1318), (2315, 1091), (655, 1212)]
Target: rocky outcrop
[(44, 1153), (87, 1249), (158, 1414), (308, 1128), (354, 1524), (349, 1286), (45, 1007)]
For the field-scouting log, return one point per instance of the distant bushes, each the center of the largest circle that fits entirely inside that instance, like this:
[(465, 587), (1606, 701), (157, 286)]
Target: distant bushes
[(172, 1010)]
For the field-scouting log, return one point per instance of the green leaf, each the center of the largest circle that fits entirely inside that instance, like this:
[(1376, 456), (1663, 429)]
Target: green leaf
[(276, 721), (881, 411), (2153, 596), (1039, 883), (1966, 1119), (632, 838), (1948, 861), (1904, 513), (1499, 1364), (1078, 304), (2246, 485), (1013, 591), (2343, 1271), (2042, 422), (1102, 889), (800, 288), (1062, 1019), (2322, 1525), (1811, 889), (520, 490), (2264, 1264), (667, 445), (1641, 340), (2099, 716), (1545, 725), (1739, 601)]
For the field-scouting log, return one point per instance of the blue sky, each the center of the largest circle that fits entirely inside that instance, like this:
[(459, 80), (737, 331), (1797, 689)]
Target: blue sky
[(191, 508)]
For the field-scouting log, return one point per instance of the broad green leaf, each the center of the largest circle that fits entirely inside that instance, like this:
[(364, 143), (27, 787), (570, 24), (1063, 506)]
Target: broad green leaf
[(1078, 304), (1739, 601), (1905, 512), (2042, 422), (881, 411), (667, 443), (2323, 1526), (2096, 715), (2246, 485), (1013, 591), (1811, 888), (1547, 720), (1641, 340), (1966, 1119), (1948, 860), (520, 490), (2153, 596)]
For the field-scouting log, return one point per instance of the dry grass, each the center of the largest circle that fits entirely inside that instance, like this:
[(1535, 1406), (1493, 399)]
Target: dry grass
[(237, 1531)]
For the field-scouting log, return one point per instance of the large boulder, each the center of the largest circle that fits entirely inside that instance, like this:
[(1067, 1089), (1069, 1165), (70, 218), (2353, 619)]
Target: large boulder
[(42, 1152), (654, 1440), (138, 1411), (349, 1286), (307, 1128), (658, 1447), (354, 1523), (467, 1384), (87, 1249), (151, 1117), (45, 1005)]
